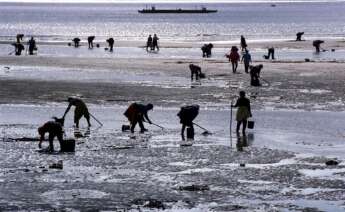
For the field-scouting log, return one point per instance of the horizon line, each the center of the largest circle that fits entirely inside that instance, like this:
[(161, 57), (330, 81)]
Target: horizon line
[(166, 1)]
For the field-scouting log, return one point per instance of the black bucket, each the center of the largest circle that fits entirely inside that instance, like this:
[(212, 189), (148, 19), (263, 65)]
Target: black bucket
[(125, 128), (68, 145), (251, 124), (190, 133)]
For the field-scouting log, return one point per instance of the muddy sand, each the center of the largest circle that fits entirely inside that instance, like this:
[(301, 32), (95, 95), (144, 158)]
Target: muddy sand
[(279, 166)]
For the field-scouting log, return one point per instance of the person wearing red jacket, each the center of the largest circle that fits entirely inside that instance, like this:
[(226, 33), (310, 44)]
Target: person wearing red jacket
[(234, 57)]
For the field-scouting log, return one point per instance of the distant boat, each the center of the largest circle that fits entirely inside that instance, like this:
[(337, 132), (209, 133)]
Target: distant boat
[(154, 10)]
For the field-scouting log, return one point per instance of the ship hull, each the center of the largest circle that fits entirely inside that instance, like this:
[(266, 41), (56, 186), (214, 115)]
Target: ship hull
[(177, 11)]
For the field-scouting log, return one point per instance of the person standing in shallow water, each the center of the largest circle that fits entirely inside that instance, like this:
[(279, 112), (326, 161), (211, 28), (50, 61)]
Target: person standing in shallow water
[(155, 42), (32, 46), (243, 112), (243, 43), (234, 57), (247, 59), (149, 43)]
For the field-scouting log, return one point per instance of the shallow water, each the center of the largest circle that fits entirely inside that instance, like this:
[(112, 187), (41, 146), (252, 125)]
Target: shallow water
[(320, 133), (99, 175), (254, 20), (175, 53)]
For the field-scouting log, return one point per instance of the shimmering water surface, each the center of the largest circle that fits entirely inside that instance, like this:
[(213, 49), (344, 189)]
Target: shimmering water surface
[(254, 20)]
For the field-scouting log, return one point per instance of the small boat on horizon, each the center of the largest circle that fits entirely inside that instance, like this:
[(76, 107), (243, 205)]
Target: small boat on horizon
[(179, 10)]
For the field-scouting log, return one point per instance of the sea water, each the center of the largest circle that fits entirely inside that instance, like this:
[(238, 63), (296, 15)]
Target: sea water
[(256, 21)]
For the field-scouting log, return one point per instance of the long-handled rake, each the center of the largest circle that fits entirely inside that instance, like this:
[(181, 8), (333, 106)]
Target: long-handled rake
[(100, 123), (206, 132), (158, 126)]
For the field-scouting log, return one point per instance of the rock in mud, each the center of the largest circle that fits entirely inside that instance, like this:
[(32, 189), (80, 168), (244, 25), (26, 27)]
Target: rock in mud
[(58, 165), (332, 163), (149, 203), (194, 188)]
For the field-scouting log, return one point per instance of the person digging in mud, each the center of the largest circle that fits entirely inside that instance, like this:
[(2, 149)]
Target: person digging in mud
[(255, 75), (90, 41), (80, 110), (247, 59), (243, 112), (111, 41), (316, 44), (299, 36), (234, 57), (137, 113), (195, 70), (54, 129), (32, 46), (270, 53), (187, 114), (76, 42), (243, 43)]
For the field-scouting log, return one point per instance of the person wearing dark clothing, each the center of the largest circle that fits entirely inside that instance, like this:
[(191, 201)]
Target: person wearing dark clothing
[(234, 57), (76, 42), (243, 43), (299, 36), (255, 75), (195, 70), (137, 113), (270, 53), (247, 59), (90, 41), (316, 44), (80, 110), (18, 48), (149, 43), (187, 114), (19, 37), (243, 112), (32, 46), (54, 129), (111, 44), (155, 43), (207, 50)]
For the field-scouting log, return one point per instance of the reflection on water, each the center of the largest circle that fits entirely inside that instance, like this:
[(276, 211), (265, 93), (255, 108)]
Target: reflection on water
[(244, 141), (78, 133)]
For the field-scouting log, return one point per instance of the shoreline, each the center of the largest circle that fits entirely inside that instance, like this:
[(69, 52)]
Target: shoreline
[(336, 42)]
